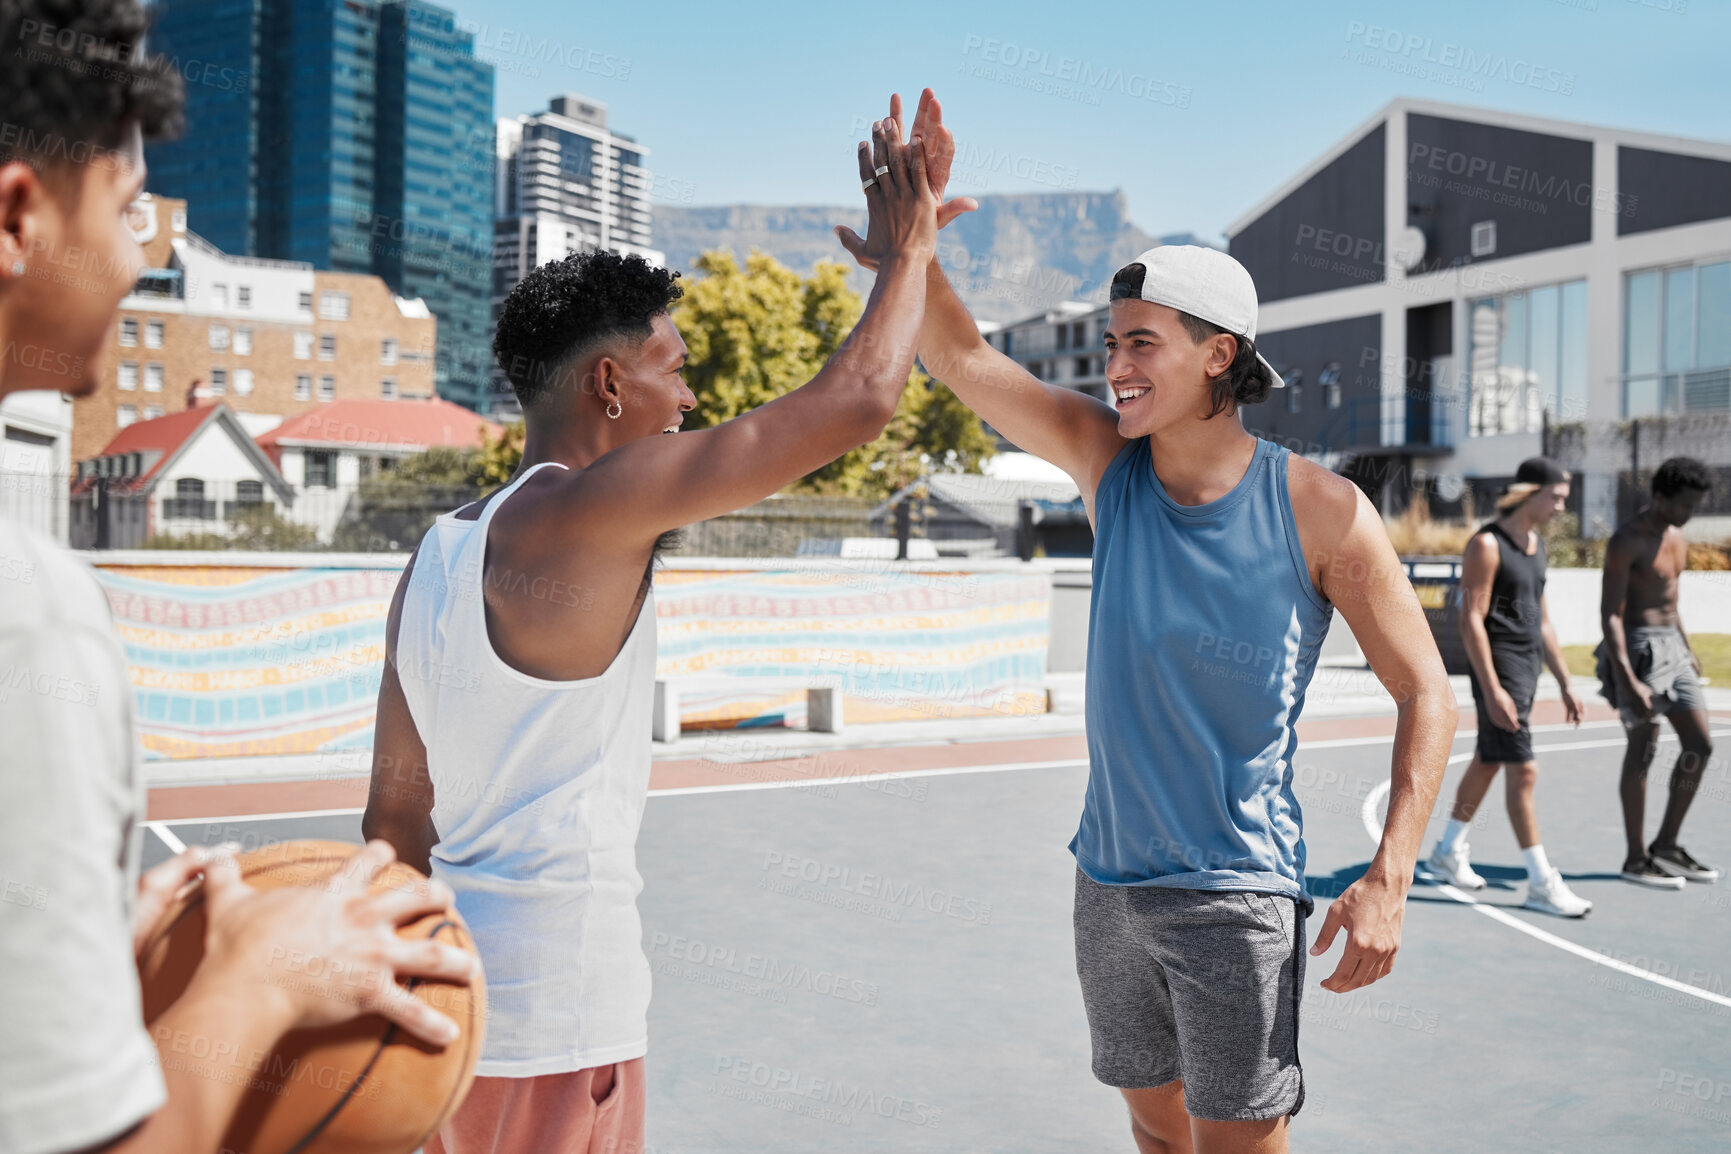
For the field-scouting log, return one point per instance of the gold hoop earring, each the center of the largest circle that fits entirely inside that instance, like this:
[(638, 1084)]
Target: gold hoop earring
[(611, 405)]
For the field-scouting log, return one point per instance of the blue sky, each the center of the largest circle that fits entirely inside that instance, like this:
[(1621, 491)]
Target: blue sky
[(1196, 111)]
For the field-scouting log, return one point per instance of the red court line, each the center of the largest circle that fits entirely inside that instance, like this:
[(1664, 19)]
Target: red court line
[(191, 802)]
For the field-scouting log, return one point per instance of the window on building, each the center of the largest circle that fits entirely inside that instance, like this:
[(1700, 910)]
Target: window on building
[(1329, 379), (128, 375), (321, 466), (219, 296), (1079, 335), (218, 382), (303, 346), (129, 332), (243, 296), (1484, 238), (388, 351), (153, 377), (249, 492), (242, 382), (327, 388), (153, 334), (125, 415), (151, 412), (1677, 340), (303, 388), (1527, 355), (388, 389), (333, 306), (219, 337), (1083, 365), (1063, 337), (327, 347), (243, 342), (306, 302), (188, 500)]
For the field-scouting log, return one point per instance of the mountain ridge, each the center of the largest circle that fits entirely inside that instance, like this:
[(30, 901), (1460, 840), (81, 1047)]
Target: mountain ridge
[(1018, 255)]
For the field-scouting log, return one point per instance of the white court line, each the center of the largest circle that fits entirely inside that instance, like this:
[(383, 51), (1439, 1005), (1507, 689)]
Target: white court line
[(1373, 827), (174, 844), (160, 825), (853, 779)]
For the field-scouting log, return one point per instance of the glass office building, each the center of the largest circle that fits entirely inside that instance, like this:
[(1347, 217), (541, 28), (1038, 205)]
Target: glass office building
[(353, 135)]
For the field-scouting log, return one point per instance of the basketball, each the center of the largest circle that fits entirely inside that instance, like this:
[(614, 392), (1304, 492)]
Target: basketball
[(364, 1087)]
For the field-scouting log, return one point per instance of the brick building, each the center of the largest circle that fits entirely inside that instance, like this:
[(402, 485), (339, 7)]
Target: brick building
[(270, 339)]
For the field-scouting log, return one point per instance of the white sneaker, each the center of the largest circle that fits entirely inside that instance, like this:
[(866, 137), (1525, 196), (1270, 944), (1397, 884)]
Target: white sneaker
[(1552, 895), (1455, 868)]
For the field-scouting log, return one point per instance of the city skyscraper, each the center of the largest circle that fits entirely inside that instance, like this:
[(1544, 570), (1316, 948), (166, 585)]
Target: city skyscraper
[(355, 135), (565, 183)]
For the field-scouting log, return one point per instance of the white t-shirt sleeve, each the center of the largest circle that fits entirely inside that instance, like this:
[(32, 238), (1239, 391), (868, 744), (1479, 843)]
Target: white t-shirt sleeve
[(77, 1066)]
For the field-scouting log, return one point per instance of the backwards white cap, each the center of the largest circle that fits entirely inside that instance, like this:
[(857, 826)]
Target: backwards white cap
[(1203, 282)]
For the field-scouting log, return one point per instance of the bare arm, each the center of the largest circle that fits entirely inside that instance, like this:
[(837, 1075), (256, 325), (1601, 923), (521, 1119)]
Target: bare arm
[(1070, 429), (1613, 597), (705, 473), (1479, 565), (1356, 568), (400, 798)]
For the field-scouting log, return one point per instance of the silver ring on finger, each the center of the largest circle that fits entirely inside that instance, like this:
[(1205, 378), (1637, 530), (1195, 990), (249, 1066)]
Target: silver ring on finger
[(864, 185), (880, 170)]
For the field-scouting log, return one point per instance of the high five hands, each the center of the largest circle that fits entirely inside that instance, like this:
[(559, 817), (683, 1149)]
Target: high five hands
[(931, 150)]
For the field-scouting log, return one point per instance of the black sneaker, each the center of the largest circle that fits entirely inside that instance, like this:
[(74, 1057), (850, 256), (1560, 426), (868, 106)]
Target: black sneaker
[(1645, 873), (1676, 862)]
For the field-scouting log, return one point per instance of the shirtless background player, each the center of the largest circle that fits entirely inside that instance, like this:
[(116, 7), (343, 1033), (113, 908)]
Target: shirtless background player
[(1647, 669)]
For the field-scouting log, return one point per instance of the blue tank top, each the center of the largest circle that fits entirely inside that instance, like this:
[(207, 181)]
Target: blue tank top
[(1204, 629)]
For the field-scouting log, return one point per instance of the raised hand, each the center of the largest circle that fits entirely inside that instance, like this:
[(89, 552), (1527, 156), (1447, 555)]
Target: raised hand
[(940, 147), (901, 208)]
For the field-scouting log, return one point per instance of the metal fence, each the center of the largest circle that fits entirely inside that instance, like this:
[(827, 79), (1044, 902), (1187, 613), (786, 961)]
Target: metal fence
[(374, 516)]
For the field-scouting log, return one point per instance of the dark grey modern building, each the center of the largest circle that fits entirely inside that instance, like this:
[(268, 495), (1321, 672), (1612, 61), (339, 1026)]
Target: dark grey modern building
[(354, 135), (1449, 290)]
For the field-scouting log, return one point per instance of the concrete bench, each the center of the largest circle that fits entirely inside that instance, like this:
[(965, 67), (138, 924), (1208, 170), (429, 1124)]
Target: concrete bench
[(823, 712)]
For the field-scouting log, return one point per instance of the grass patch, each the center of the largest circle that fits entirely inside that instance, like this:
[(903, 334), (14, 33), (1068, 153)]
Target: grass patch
[(1714, 650)]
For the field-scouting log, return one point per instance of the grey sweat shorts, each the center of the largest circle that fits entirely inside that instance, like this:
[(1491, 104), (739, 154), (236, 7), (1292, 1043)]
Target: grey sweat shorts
[(1198, 985), (1664, 663)]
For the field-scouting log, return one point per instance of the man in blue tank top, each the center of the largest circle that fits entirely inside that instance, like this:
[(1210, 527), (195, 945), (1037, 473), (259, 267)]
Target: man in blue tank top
[(1218, 560)]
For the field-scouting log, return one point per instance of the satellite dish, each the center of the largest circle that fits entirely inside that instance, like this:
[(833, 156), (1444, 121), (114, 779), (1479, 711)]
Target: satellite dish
[(1409, 248)]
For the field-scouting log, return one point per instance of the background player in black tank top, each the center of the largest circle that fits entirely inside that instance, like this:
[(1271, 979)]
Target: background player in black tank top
[(1508, 638)]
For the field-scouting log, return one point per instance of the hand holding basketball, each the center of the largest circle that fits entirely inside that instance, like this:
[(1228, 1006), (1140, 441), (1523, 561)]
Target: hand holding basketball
[(332, 960)]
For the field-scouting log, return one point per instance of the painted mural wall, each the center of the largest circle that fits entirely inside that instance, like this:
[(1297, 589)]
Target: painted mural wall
[(233, 661)]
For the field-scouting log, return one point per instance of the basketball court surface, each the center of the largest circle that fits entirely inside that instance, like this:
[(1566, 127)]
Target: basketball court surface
[(864, 944)]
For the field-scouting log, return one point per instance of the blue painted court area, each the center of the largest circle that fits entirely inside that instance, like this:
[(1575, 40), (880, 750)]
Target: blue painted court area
[(887, 966)]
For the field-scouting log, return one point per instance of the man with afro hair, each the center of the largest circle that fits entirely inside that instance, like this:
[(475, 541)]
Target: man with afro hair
[(512, 751)]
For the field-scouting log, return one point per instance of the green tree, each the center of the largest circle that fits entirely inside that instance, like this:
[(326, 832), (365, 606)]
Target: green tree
[(758, 332), (499, 459)]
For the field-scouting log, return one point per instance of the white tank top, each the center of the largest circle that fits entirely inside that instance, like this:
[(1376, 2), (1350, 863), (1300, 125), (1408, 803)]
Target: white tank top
[(538, 791)]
